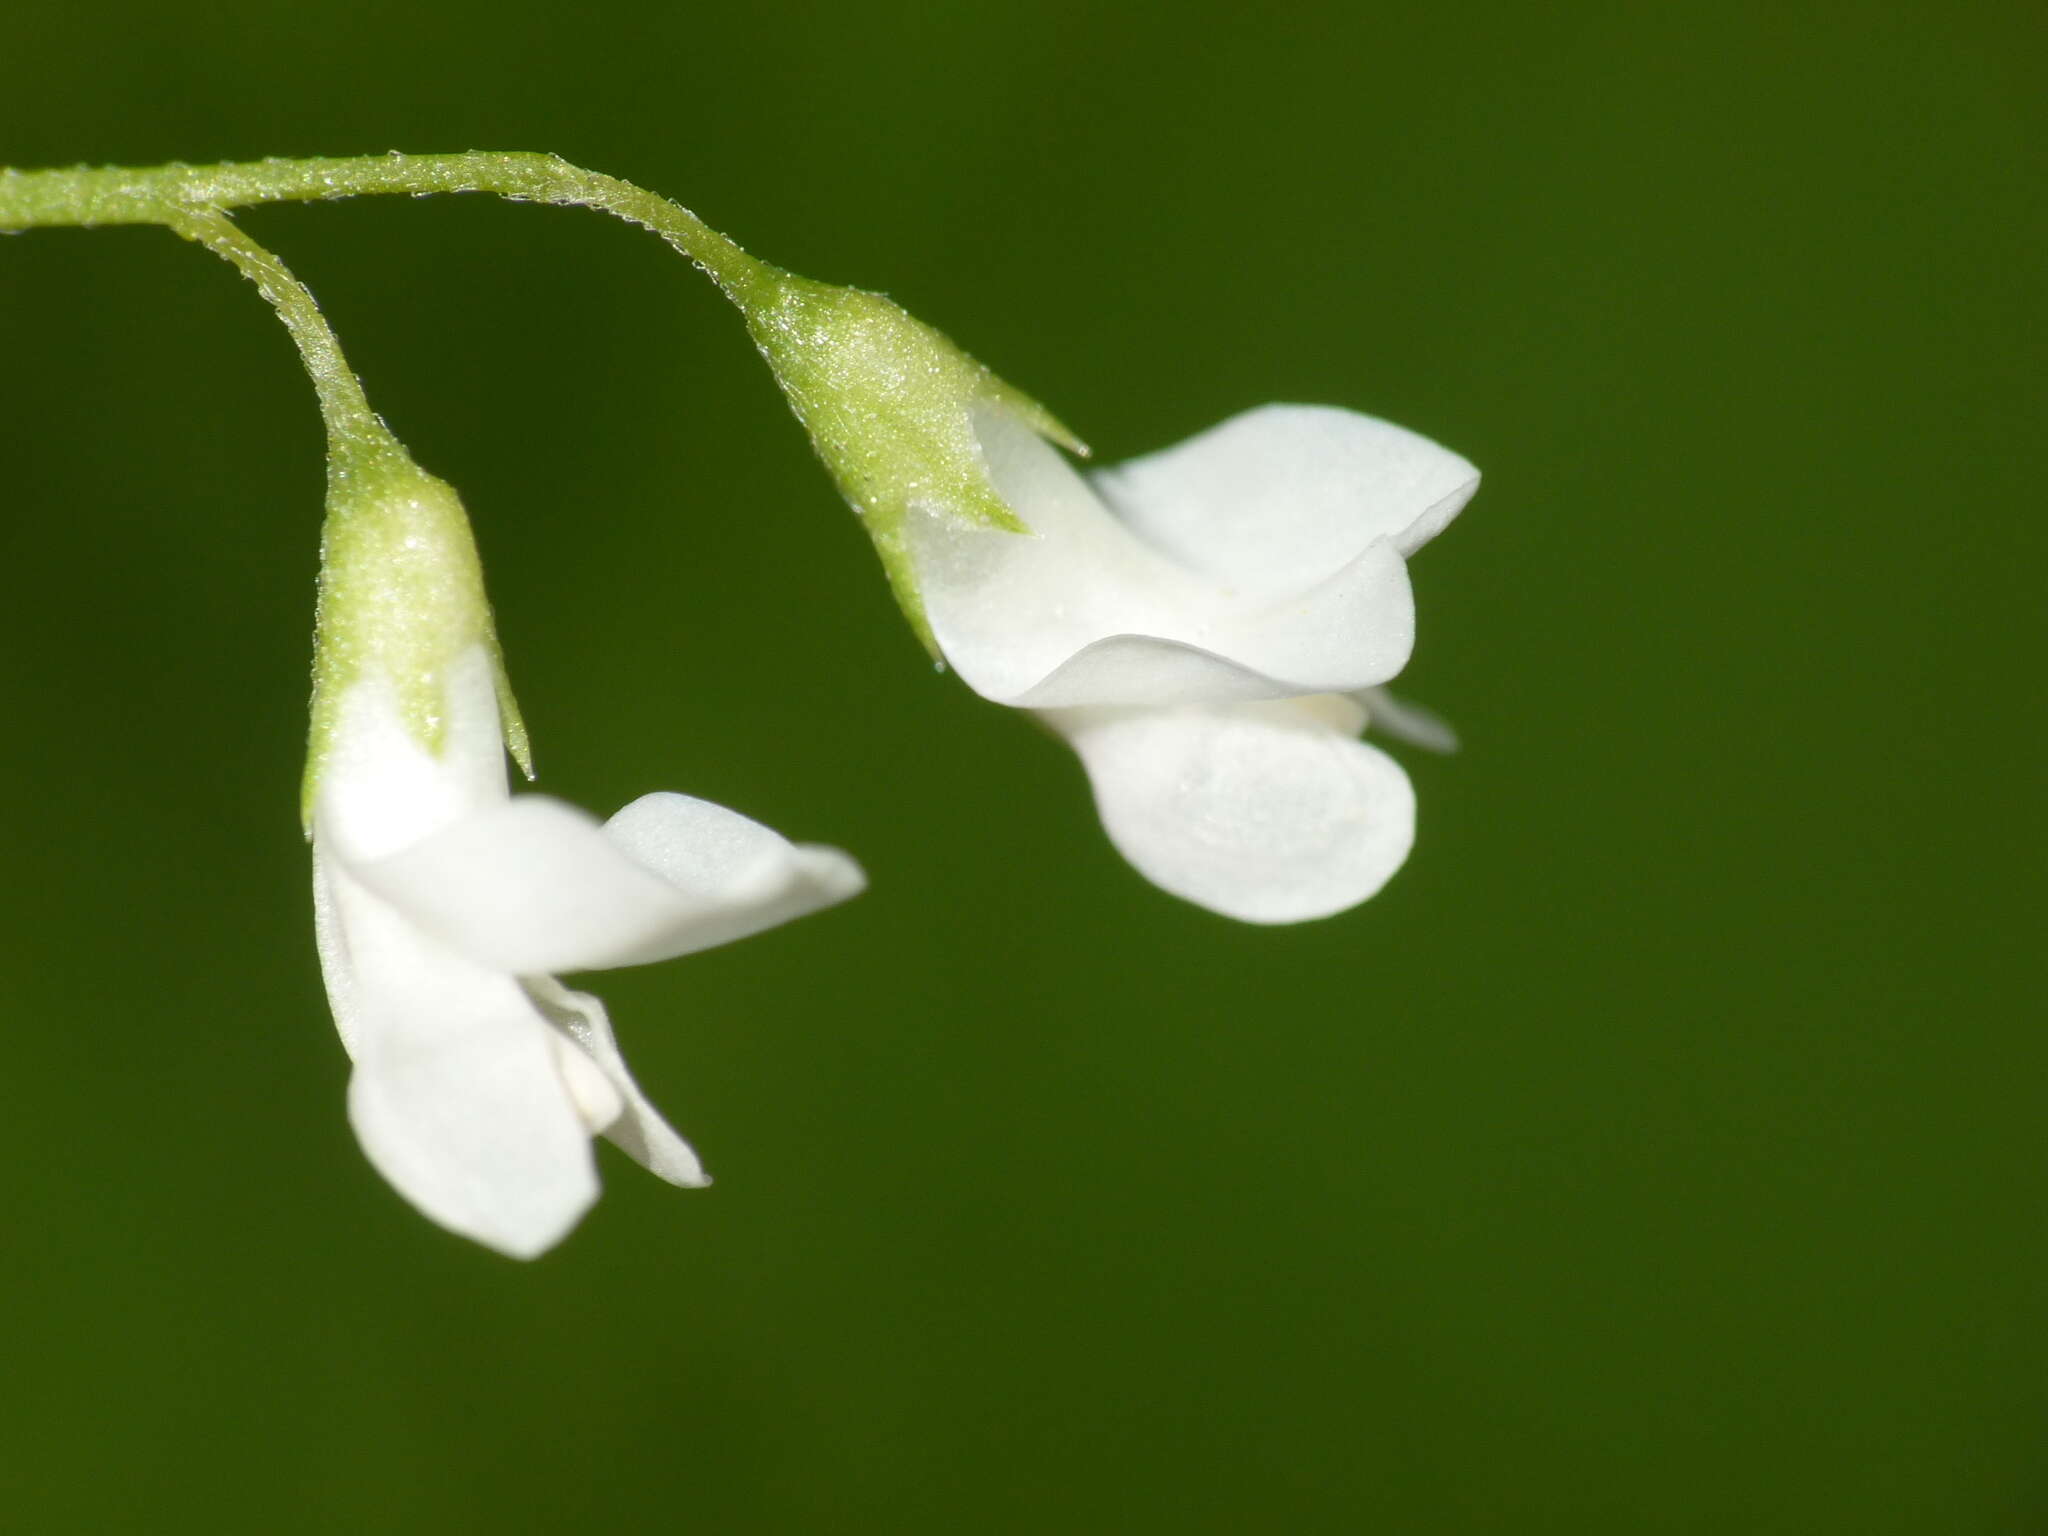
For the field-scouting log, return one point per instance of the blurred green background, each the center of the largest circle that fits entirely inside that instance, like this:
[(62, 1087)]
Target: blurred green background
[(1662, 1151)]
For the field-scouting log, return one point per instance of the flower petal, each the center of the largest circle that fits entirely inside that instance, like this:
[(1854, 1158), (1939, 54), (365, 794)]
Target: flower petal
[(639, 1129), (1280, 497), (1158, 672), (532, 885), (702, 847), (330, 938), (1409, 722), (1267, 812), (1010, 612), (381, 788), (458, 1097)]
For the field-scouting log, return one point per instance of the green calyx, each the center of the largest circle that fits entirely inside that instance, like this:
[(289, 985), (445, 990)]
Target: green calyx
[(887, 401), (401, 597)]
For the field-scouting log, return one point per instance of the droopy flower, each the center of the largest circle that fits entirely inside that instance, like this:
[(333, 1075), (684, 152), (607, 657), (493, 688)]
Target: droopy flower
[(445, 904), (1208, 626)]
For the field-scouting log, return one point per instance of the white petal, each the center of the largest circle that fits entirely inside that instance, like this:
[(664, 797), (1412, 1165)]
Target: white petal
[(1159, 672), (1012, 611), (458, 1095), (1409, 722), (639, 1129), (748, 877), (597, 1098), (532, 885), (382, 789), (330, 937), (1268, 812), (1280, 497)]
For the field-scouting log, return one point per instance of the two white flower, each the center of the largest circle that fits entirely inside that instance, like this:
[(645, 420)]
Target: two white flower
[(1209, 627)]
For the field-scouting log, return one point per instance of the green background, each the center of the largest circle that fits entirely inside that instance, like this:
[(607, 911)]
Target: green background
[(1662, 1151)]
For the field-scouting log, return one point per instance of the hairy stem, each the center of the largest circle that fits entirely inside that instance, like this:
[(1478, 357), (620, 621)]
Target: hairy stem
[(156, 194), (351, 424)]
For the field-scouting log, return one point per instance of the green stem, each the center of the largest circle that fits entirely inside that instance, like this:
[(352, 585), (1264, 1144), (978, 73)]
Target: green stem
[(119, 195), (352, 427)]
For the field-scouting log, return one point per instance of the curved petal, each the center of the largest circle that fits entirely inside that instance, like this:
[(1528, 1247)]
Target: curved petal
[(1267, 812), (639, 1129), (532, 885), (458, 1096), (753, 876), (1159, 672), (1011, 611), (1279, 497)]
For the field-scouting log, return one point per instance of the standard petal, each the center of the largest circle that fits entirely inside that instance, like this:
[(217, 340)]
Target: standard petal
[(1010, 612), (381, 788), (639, 1130), (1279, 498), (458, 1097), (1267, 812), (532, 885)]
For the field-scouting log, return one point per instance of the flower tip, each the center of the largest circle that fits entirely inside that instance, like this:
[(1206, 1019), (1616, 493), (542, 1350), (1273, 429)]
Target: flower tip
[(524, 1247), (1394, 716), (1041, 420), (984, 507), (512, 724), (472, 1163), (836, 873)]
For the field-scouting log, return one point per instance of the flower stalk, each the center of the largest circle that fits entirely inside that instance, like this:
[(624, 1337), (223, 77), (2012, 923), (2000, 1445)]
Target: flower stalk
[(886, 399), (83, 196), (401, 588)]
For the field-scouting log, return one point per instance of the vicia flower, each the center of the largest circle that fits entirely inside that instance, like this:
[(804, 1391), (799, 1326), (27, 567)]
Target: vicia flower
[(445, 904), (1209, 627)]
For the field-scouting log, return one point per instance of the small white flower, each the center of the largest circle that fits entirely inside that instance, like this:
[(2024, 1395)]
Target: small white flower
[(1208, 627), (444, 904)]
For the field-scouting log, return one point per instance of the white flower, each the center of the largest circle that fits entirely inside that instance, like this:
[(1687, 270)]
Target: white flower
[(1208, 627), (445, 905)]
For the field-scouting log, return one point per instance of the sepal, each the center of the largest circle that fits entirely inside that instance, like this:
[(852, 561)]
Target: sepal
[(889, 405), (401, 599)]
